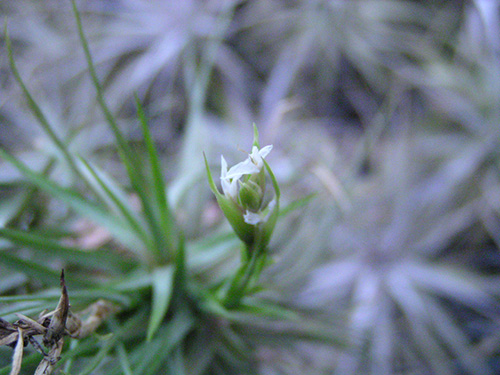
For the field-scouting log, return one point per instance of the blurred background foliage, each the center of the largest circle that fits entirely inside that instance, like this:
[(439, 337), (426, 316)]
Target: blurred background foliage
[(388, 111)]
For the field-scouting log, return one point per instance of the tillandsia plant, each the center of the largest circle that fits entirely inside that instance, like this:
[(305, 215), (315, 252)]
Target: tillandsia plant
[(252, 212), (171, 319)]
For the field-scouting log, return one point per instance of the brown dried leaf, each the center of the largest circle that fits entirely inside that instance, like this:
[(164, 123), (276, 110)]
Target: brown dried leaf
[(8, 333), (47, 364), (58, 321), (17, 357)]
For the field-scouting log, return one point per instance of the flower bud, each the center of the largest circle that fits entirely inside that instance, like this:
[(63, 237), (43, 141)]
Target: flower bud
[(243, 196), (250, 195)]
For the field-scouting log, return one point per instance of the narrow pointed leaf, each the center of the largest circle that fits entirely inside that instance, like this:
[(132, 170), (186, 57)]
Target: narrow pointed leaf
[(164, 211), (176, 365), (268, 309), (110, 343), (17, 357), (83, 206), (115, 197), (122, 143), (163, 281), (180, 277), (36, 270), (123, 359), (255, 136), (9, 208), (211, 182), (129, 158), (273, 180), (35, 109), (170, 335), (72, 255)]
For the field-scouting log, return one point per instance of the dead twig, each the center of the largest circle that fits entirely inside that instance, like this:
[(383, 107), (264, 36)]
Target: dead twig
[(53, 327)]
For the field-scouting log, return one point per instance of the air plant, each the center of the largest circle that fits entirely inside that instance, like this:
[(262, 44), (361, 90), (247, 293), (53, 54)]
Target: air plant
[(396, 252), (157, 278), (390, 274)]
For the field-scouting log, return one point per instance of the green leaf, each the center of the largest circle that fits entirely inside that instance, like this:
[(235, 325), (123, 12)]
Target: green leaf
[(120, 230), (152, 354), (296, 204), (110, 343), (27, 360), (78, 297), (163, 281), (180, 277), (176, 366), (211, 182), (9, 208), (209, 253), (114, 196), (46, 295), (123, 359), (38, 271), (123, 147), (11, 280), (35, 109), (201, 350), (125, 300), (233, 348), (256, 136), (134, 281), (128, 157), (73, 255), (212, 305), (267, 309), (273, 180), (165, 213)]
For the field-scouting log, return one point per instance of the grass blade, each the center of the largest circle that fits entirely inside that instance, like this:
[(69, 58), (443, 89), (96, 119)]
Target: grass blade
[(153, 354), (123, 359), (37, 271), (165, 213), (35, 109), (176, 364), (123, 146), (163, 282), (129, 158), (110, 343), (73, 255), (117, 198), (115, 226)]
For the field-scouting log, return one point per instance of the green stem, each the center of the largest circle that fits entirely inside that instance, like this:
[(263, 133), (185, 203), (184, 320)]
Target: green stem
[(240, 283)]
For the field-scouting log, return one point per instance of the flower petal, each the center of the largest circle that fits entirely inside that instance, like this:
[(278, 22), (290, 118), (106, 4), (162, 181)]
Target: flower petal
[(253, 164), (229, 185), (245, 167), (252, 218), (223, 167), (264, 151), (257, 155)]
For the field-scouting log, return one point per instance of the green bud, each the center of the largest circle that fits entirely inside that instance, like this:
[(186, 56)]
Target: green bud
[(250, 195)]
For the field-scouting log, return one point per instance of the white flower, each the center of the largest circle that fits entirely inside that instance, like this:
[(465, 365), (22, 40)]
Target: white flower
[(254, 218), (229, 185), (253, 164)]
